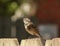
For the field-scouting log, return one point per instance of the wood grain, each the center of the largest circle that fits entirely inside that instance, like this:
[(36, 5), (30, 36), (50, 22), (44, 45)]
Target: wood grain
[(31, 42), (9, 42)]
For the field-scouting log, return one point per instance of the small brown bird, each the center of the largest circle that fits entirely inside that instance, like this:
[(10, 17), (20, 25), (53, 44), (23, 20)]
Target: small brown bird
[(30, 27)]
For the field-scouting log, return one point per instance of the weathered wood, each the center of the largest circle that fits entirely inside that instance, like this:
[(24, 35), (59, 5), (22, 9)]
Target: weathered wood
[(56, 42), (53, 42), (48, 43), (31, 42), (9, 42), (1, 42)]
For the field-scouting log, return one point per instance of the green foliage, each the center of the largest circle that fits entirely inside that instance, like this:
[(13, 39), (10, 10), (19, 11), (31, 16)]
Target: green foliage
[(12, 7), (8, 7), (4, 1)]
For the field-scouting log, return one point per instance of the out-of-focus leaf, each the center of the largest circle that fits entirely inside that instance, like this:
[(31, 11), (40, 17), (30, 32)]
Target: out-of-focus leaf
[(12, 7), (4, 1)]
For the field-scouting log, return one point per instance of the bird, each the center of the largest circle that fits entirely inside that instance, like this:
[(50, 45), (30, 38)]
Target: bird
[(30, 27)]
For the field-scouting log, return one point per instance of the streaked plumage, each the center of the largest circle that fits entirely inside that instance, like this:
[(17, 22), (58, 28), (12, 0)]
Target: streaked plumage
[(30, 27)]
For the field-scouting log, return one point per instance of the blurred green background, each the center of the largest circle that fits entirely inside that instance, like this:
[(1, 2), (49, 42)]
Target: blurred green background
[(7, 7)]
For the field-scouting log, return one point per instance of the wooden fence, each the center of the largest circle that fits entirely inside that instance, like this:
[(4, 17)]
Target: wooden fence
[(28, 42)]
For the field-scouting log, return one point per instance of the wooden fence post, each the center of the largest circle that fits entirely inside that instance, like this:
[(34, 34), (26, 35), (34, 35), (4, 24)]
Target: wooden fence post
[(9, 42), (48, 43), (31, 42)]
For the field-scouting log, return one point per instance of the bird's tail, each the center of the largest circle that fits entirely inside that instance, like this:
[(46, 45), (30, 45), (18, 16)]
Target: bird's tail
[(41, 38)]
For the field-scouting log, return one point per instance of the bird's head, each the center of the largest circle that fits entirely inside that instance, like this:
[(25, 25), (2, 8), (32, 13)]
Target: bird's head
[(26, 20), (27, 23)]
